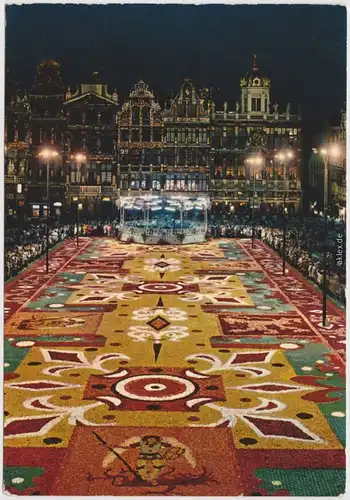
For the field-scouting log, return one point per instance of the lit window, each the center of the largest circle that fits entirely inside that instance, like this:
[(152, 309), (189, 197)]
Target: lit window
[(256, 104)]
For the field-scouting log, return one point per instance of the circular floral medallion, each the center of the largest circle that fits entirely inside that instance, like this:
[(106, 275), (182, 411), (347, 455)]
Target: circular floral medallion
[(160, 287), (155, 387)]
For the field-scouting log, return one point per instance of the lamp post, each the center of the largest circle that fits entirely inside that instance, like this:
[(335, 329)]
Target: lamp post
[(48, 155), (332, 151), (79, 159), (254, 161), (283, 157)]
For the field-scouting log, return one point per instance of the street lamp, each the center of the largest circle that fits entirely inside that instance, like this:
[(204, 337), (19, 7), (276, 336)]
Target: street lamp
[(326, 154), (254, 161), (283, 157), (79, 159), (48, 155)]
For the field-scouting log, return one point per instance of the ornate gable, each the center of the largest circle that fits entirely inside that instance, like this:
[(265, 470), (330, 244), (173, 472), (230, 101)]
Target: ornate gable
[(141, 107), (91, 98), (48, 79), (187, 104), (20, 104), (187, 93), (141, 91)]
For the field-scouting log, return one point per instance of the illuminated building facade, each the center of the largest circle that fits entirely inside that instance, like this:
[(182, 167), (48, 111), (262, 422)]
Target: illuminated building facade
[(90, 115), (135, 146), (46, 128), (139, 131), (256, 128), (186, 143), (17, 141), (336, 172)]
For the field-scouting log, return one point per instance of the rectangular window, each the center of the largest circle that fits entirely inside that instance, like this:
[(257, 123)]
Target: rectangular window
[(241, 172), (124, 180), (146, 134), (144, 179), (203, 136), (202, 183), (156, 182), (106, 174), (157, 134), (135, 180), (192, 136), (179, 184), (181, 135), (218, 171), (36, 210), (256, 104), (91, 177), (169, 183)]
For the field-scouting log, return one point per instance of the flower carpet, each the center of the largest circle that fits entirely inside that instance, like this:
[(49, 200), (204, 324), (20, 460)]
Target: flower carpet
[(153, 370)]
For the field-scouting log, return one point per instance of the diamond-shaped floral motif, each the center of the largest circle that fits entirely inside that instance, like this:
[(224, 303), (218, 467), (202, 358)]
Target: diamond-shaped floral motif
[(158, 323), (161, 264), (286, 428)]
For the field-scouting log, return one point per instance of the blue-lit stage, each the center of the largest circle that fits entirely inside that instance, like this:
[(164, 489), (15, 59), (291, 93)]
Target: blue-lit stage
[(155, 219)]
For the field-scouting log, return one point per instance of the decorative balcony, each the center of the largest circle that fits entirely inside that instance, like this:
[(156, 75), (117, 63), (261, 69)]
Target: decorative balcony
[(85, 190), (92, 190), (108, 190), (11, 179)]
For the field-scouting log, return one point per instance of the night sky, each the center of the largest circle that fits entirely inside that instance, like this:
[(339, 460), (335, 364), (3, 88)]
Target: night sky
[(301, 48)]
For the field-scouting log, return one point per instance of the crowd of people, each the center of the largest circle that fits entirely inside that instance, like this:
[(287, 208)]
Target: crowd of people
[(25, 245), (304, 243), (304, 246), (97, 228)]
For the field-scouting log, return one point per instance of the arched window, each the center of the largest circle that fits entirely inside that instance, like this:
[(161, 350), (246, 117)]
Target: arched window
[(145, 115), (135, 115)]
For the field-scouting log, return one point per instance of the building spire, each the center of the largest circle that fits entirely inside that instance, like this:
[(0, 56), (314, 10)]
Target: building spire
[(254, 62)]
